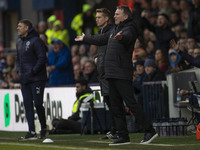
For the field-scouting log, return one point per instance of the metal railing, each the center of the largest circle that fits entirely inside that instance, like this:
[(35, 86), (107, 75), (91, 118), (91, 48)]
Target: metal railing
[(155, 100)]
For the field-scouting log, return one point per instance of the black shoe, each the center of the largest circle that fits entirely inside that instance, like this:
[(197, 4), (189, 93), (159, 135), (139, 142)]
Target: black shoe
[(110, 135), (28, 136), (120, 141), (43, 133), (148, 137)]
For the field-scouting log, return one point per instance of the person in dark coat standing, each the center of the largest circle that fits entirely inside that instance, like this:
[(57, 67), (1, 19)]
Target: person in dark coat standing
[(119, 72), (103, 22), (31, 67)]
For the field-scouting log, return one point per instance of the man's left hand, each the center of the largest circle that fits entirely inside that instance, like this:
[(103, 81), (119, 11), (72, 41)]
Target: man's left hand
[(118, 36)]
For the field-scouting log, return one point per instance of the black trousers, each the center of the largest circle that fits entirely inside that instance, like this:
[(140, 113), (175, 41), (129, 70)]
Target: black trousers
[(121, 91), (113, 126), (33, 92), (105, 93), (67, 125)]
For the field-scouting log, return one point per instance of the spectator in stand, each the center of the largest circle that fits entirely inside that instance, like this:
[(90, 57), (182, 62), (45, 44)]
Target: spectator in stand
[(42, 27), (11, 78), (44, 39), (194, 21), (166, 7), (183, 43), (76, 60), (190, 51), (74, 50), (196, 52), (184, 5), (137, 82), (175, 5), (175, 18), (84, 59), (142, 55), (49, 31), (8, 72), (14, 80), (83, 50), (59, 64), (176, 63), (152, 72), (78, 74), (9, 64), (148, 35), (150, 49), (185, 18), (163, 32), (177, 29), (191, 42), (137, 48), (93, 50), (84, 22), (161, 60), (183, 33), (90, 72)]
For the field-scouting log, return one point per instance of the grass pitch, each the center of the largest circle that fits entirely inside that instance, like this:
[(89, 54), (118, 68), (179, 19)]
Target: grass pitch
[(9, 141)]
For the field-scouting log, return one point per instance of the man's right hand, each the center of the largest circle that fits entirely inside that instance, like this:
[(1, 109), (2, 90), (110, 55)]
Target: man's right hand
[(79, 38), (175, 45)]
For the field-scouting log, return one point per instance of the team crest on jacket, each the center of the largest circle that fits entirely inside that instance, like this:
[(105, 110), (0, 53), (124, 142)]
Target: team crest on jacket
[(111, 35), (27, 45)]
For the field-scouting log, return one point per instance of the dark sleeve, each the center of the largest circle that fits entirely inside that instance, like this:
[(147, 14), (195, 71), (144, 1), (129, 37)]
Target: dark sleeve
[(129, 36), (99, 39), (17, 58), (40, 51), (193, 61)]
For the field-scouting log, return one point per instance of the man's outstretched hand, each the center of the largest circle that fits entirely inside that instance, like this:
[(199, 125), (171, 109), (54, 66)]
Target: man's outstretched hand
[(79, 38), (118, 36), (174, 45)]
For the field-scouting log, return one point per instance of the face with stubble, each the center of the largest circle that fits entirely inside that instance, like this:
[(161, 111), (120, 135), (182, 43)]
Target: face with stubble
[(120, 16), (22, 29)]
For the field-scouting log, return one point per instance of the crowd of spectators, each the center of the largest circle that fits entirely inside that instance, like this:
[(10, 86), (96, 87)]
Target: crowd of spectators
[(153, 59)]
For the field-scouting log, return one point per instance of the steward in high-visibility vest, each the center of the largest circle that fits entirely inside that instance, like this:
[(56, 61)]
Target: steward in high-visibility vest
[(83, 91), (89, 26), (59, 33), (73, 123), (49, 31)]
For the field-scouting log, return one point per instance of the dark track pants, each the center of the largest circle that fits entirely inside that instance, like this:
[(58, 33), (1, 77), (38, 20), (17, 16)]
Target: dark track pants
[(121, 91), (33, 92)]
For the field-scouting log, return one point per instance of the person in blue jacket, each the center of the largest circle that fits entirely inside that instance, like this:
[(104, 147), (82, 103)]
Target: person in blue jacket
[(193, 61), (31, 67), (59, 65)]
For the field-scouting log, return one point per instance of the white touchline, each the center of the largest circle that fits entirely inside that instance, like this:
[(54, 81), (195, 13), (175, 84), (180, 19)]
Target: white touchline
[(46, 146)]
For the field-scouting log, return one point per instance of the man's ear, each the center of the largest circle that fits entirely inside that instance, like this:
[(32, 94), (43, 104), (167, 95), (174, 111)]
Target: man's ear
[(107, 19), (84, 87), (125, 17), (26, 27)]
